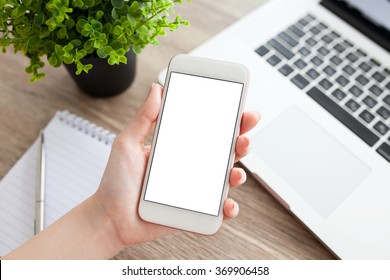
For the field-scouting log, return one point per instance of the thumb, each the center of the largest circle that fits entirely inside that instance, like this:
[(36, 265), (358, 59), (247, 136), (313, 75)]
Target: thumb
[(146, 115)]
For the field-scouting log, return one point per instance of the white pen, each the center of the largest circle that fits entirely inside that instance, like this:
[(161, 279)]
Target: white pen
[(40, 186)]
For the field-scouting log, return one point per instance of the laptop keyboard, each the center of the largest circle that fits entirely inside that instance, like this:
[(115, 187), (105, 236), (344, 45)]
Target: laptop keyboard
[(343, 79)]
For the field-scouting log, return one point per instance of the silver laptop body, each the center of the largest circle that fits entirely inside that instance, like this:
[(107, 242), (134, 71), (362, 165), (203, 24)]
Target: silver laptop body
[(321, 80)]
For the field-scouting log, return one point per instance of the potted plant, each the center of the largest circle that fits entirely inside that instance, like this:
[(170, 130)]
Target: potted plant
[(88, 36)]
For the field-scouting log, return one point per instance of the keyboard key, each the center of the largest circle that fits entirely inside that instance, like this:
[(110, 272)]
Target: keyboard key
[(362, 80), (315, 30), (353, 105), (329, 70), (334, 34), (288, 39), (316, 61), (281, 49), (348, 43), (285, 70), (327, 39), (342, 80), (351, 57), (366, 116), (262, 50), (369, 101), (273, 60), (311, 42), (326, 84), (361, 53), (339, 48), (383, 112), (323, 51), (309, 18), (378, 76), (386, 72), (300, 64), (300, 81), (375, 62), (312, 73), (381, 128), (387, 85), (321, 26), (365, 67), (336, 60), (339, 94), (303, 22), (376, 90), (304, 51), (343, 116), (297, 31), (384, 151), (348, 69), (387, 99), (355, 91)]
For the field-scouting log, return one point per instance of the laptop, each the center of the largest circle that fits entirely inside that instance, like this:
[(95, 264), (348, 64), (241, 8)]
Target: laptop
[(320, 77)]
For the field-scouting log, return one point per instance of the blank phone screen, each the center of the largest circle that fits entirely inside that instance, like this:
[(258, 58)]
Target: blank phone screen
[(190, 162)]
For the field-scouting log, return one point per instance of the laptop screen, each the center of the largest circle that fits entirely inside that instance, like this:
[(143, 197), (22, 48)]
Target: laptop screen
[(376, 11), (372, 18)]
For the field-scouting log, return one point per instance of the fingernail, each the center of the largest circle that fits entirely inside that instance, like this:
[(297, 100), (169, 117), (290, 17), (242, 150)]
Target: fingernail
[(243, 178)]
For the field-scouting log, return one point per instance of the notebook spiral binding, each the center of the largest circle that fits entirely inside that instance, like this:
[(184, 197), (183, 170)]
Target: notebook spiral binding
[(91, 129)]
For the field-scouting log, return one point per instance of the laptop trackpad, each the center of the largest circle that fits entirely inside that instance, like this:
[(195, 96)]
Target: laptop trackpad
[(308, 158)]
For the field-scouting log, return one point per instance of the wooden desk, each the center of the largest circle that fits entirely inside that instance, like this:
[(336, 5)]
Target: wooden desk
[(263, 230)]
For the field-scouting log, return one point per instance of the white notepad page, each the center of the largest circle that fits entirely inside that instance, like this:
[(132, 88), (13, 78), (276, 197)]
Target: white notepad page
[(76, 155)]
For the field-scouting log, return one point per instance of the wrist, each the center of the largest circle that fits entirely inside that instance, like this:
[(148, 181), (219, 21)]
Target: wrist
[(106, 235)]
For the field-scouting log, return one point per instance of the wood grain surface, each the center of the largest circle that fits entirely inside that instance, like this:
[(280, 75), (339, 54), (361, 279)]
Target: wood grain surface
[(263, 229)]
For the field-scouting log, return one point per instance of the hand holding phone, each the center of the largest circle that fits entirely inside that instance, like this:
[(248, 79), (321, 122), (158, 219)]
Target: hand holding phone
[(192, 153)]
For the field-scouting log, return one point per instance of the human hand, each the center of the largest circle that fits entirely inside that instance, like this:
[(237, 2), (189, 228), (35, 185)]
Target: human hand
[(121, 184)]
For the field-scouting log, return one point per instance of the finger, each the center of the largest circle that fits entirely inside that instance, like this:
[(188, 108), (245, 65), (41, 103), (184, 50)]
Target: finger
[(242, 147), (237, 177), (146, 116), (230, 209), (147, 151), (249, 121)]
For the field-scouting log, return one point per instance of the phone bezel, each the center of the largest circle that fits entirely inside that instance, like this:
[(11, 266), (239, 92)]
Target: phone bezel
[(177, 217)]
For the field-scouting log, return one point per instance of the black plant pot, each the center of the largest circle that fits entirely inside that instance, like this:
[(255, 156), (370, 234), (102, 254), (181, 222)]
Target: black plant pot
[(105, 80)]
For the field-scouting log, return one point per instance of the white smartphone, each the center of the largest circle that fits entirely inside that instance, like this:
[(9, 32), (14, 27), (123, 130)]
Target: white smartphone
[(187, 176)]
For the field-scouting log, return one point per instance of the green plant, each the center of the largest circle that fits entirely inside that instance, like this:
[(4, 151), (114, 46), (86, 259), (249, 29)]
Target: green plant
[(67, 31)]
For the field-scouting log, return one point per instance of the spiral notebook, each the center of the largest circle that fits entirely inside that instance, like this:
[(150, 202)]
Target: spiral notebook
[(76, 155)]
